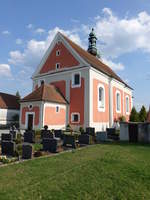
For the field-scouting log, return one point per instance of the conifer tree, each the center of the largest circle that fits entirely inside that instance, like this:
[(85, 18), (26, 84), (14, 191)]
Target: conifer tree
[(134, 116), (142, 114)]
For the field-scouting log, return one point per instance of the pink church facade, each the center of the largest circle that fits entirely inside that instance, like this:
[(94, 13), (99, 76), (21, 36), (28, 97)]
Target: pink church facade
[(90, 94)]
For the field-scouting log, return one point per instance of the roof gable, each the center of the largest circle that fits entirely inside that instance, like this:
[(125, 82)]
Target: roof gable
[(64, 59), (50, 59), (8, 101), (45, 93)]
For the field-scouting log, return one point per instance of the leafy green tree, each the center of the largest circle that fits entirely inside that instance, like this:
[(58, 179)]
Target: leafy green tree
[(134, 116), (143, 114)]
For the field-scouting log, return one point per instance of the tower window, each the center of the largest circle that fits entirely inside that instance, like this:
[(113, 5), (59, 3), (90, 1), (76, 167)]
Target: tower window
[(57, 65), (58, 42), (76, 80), (57, 52)]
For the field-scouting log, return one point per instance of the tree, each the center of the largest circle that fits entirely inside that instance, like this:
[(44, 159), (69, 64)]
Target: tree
[(143, 114), (134, 116), (18, 95)]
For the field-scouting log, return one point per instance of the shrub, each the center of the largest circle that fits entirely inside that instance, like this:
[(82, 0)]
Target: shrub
[(122, 119), (134, 116), (19, 138), (37, 147), (81, 130)]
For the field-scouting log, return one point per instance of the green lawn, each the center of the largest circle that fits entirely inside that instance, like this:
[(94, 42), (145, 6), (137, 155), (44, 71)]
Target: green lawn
[(104, 171)]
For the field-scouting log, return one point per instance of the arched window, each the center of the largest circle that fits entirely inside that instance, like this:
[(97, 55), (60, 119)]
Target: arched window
[(127, 104), (118, 101), (101, 97)]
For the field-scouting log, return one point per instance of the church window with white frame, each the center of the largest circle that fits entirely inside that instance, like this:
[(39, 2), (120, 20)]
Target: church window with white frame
[(127, 104), (101, 97), (118, 101)]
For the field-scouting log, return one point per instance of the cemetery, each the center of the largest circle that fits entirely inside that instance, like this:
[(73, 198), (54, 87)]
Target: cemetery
[(16, 147)]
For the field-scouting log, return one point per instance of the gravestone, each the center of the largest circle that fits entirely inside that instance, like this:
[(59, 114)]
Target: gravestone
[(8, 148), (85, 139), (29, 136), (101, 136), (51, 144), (69, 140), (27, 151), (111, 131), (6, 137), (90, 131), (58, 133), (46, 134)]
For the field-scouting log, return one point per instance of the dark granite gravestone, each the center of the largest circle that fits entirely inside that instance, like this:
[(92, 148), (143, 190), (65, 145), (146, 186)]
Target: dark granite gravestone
[(58, 133), (6, 137), (8, 148), (90, 131), (85, 139), (27, 151), (29, 136), (111, 131), (69, 140), (111, 134), (51, 144), (46, 134), (101, 136)]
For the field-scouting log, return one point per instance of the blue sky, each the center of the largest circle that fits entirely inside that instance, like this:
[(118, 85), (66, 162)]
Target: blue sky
[(123, 30)]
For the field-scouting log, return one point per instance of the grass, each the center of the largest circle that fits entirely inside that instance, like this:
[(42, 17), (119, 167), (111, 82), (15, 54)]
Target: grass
[(104, 171)]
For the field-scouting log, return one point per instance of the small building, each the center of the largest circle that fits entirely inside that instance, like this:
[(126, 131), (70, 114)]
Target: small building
[(46, 105), (9, 107)]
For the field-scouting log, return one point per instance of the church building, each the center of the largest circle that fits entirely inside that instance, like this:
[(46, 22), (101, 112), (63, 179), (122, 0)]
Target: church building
[(73, 86)]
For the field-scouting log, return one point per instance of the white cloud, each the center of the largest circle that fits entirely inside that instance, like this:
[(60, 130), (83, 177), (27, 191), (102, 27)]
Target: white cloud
[(118, 36), (6, 32), (5, 70), (113, 65), (40, 30), (29, 26), (19, 41), (74, 20)]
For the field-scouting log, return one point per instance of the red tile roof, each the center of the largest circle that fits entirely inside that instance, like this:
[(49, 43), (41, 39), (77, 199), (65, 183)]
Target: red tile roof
[(45, 93), (94, 61), (8, 101)]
